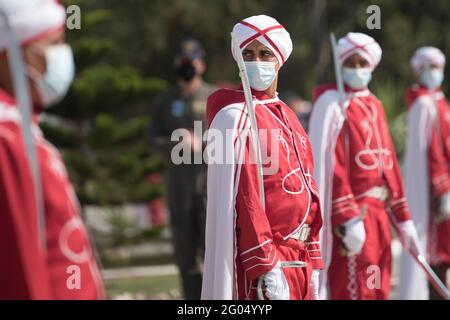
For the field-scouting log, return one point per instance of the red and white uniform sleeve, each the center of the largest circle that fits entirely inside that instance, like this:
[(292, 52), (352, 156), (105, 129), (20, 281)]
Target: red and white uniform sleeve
[(437, 163), (344, 206), (68, 245), (23, 269), (313, 247), (398, 203), (257, 251)]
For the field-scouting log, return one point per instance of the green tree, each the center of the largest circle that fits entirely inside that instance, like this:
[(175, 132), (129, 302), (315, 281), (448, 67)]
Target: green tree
[(100, 126)]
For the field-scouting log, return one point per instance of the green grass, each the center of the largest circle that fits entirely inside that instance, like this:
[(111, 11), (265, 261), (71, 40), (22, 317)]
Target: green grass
[(109, 262), (161, 287)]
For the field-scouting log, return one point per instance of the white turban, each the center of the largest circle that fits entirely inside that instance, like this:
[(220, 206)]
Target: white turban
[(425, 56), (361, 44), (266, 30), (31, 19)]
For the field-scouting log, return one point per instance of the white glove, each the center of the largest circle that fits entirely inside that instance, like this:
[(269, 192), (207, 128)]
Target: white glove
[(444, 207), (277, 287), (355, 235), (314, 284), (408, 234)]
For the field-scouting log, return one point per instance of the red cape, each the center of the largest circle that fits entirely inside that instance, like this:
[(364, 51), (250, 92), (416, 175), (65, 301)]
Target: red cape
[(26, 271), (23, 269), (224, 97), (415, 92)]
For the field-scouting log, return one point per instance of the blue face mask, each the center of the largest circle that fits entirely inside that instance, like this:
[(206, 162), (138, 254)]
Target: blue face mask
[(432, 78), (59, 75), (60, 71), (357, 78), (261, 74)]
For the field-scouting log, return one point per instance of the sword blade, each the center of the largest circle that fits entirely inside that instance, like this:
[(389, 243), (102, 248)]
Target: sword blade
[(251, 113), (23, 100), (337, 70), (422, 262)]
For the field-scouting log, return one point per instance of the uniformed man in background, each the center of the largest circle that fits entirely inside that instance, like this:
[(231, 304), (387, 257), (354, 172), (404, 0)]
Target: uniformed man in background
[(178, 108)]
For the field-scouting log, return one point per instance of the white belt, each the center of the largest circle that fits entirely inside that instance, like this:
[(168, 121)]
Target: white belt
[(302, 234), (284, 264), (379, 193)]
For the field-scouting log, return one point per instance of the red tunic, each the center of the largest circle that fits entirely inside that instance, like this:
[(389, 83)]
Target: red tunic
[(23, 270), (72, 270), (291, 197), (438, 168), (68, 245), (365, 158)]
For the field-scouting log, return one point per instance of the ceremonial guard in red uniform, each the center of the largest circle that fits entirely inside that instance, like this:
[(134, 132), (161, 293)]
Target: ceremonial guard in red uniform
[(359, 179), (427, 172), (247, 240), (46, 252)]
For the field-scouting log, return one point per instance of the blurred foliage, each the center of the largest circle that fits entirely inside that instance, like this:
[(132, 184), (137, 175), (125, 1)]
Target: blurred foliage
[(100, 127), (124, 55)]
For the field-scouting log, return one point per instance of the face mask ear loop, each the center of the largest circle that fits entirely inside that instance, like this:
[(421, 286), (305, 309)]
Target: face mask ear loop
[(275, 66), (33, 74), (37, 49), (31, 71)]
